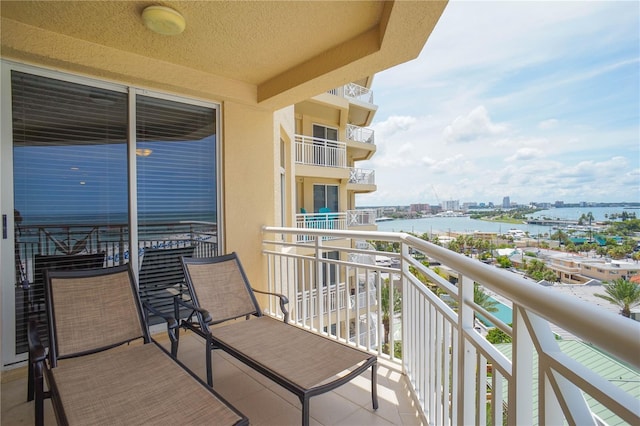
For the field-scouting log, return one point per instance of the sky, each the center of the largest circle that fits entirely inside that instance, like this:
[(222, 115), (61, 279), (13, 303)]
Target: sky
[(535, 100)]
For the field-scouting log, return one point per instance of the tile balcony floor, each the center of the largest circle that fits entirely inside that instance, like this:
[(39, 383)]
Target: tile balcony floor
[(260, 399)]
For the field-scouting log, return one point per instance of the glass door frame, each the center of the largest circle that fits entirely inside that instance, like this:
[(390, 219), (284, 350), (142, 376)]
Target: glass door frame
[(9, 357)]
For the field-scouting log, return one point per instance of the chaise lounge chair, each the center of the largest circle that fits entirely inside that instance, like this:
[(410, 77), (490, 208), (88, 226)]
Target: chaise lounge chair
[(302, 362), (102, 366)]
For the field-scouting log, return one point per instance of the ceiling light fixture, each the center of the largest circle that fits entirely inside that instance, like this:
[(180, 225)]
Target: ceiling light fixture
[(163, 20), (143, 152)]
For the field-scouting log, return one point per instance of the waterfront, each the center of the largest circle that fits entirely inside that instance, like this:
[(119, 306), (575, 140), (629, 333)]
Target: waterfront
[(445, 225)]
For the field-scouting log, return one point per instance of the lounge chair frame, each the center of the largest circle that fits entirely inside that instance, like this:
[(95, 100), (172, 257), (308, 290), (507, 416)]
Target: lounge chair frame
[(111, 339), (220, 332)]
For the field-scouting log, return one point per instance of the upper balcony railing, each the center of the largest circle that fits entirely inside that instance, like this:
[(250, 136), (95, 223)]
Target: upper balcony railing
[(361, 217), (428, 326), (337, 220), (354, 91), (320, 152), (360, 134), (362, 176)]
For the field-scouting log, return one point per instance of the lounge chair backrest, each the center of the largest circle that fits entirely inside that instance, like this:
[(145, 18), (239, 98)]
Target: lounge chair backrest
[(92, 310), (219, 285)]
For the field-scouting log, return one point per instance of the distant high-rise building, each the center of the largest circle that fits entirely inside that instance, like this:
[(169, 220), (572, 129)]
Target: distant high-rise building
[(452, 205), (506, 203), (420, 208)]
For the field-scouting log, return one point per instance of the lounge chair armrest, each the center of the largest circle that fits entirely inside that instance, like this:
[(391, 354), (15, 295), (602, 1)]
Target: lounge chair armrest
[(206, 316), (37, 352), (283, 302), (172, 325)]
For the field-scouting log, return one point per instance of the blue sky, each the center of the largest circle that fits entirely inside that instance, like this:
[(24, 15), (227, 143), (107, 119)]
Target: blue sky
[(538, 101)]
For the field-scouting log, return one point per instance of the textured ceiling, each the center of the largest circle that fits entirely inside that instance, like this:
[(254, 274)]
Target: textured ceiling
[(279, 51), (250, 41)]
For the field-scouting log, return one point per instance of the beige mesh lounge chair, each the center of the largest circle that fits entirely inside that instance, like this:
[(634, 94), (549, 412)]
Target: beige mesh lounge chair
[(103, 367), (302, 362)]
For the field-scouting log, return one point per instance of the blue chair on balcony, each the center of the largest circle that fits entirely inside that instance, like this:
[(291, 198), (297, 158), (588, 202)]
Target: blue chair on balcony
[(329, 219)]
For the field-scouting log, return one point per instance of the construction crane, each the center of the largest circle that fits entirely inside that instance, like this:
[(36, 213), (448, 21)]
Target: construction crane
[(436, 194)]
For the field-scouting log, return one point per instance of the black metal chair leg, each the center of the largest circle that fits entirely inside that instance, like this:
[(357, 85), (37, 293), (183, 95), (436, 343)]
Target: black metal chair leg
[(30, 380), (209, 349), (305, 410), (374, 385), (38, 383)]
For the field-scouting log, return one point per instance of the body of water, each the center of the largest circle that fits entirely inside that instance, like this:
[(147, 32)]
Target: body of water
[(445, 225)]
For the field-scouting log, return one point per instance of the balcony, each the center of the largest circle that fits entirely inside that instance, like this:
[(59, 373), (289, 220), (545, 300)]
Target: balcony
[(350, 219), (361, 142), (354, 91), (315, 152), (361, 106), (360, 134), (361, 180), (260, 399), (453, 372), (440, 356)]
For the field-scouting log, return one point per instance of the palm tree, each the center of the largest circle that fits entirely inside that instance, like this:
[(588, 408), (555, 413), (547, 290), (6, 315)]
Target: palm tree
[(385, 307), (481, 298), (623, 293)]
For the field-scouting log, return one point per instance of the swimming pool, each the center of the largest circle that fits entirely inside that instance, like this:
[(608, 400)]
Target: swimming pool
[(504, 314)]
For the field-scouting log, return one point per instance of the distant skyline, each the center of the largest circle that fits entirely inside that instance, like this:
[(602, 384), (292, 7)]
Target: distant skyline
[(535, 101)]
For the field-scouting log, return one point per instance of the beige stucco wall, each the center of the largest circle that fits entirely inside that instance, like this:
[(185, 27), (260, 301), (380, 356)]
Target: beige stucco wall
[(250, 135)]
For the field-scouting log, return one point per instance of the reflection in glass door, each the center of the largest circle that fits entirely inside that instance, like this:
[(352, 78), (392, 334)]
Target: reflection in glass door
[(176, 185), (70, 185)]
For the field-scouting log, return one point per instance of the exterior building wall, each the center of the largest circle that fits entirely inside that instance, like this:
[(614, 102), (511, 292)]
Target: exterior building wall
[(254, 116)]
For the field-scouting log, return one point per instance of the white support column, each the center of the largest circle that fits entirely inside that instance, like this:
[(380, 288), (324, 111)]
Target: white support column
[(466, 386), (521, 388)]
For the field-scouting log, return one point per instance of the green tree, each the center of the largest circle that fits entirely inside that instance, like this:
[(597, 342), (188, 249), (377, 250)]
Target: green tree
[(504, 262), (623, 293), (495, 336), (385, 306), (560, 235), (483, 299), (537, 270)]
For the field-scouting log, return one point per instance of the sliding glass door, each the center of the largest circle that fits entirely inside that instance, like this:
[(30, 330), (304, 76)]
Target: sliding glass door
[(176, 194), (102, 175)]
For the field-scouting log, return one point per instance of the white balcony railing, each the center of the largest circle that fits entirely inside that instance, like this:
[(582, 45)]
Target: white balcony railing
[(457, 376), (305, 221), (354, 91), (320, 152), (360, 134), (362, 176), (361, 217)]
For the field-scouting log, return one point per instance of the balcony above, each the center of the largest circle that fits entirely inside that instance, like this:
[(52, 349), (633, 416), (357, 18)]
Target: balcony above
[(320, 157), (362, 219), (360, 142), (361, 106), (362, 180)]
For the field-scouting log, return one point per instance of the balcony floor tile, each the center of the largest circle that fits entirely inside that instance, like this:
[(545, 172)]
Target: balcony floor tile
[(260, 399)]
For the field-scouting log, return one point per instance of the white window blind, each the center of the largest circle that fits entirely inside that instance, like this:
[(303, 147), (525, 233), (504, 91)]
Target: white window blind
[(70, 184)]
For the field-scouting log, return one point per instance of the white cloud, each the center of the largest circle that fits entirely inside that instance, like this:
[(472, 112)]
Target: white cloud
[(536, 100), (525, 154), (475, 125), (551, 123)]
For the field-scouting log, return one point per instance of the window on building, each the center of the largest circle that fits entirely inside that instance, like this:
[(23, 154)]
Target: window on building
[(325, 196)]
